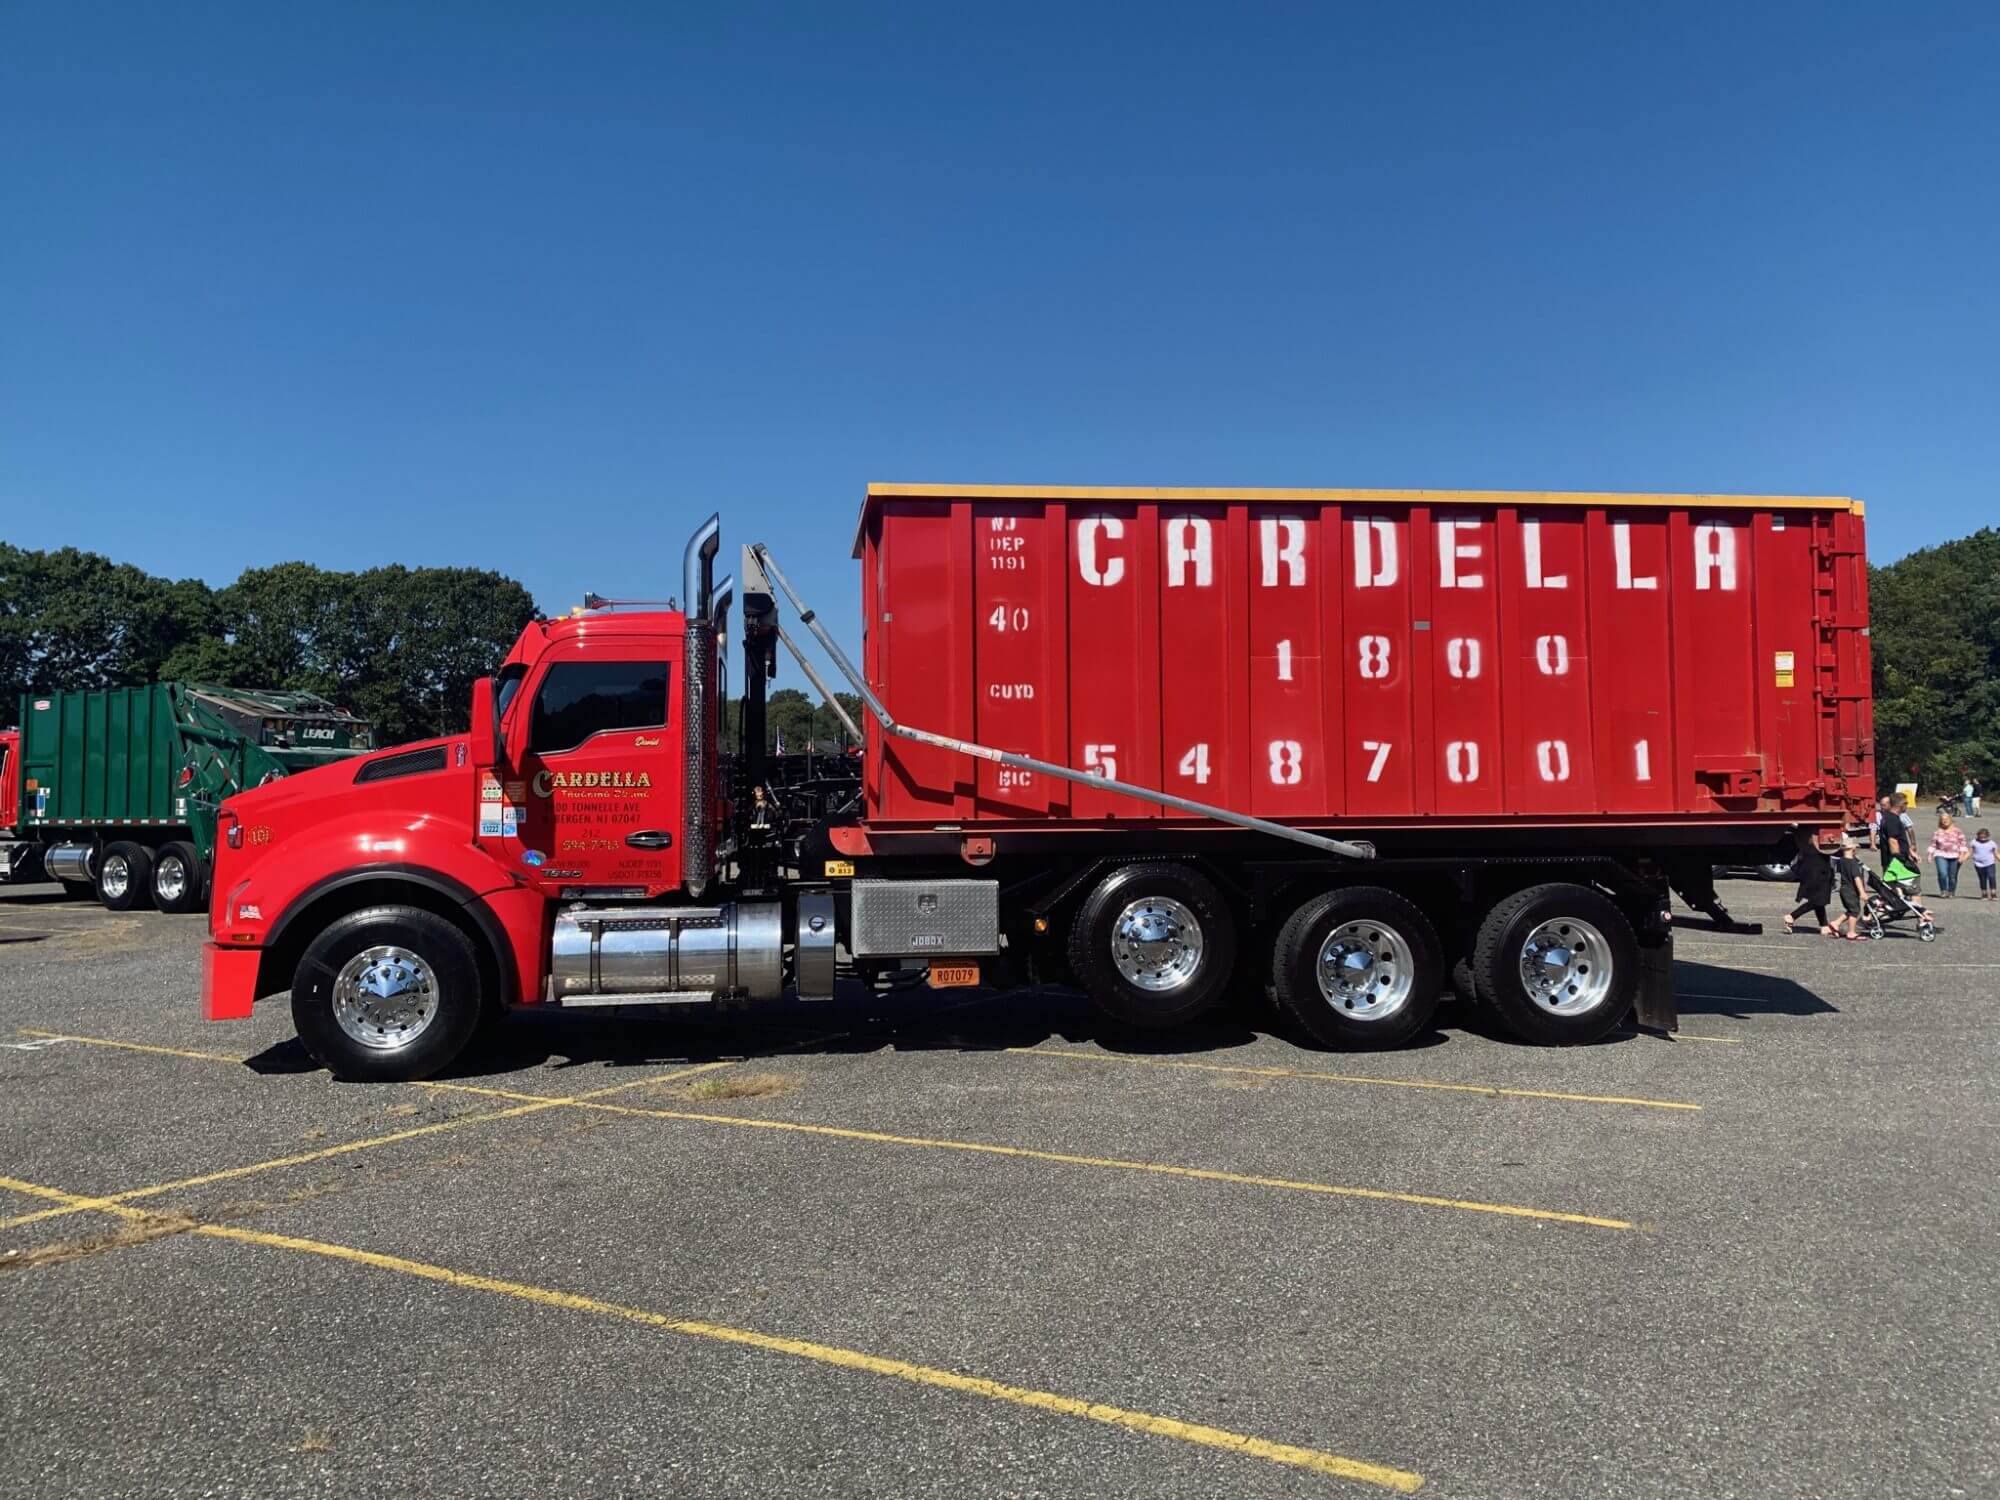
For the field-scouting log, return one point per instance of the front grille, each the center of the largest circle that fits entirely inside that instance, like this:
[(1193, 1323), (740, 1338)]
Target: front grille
[(409, 763)]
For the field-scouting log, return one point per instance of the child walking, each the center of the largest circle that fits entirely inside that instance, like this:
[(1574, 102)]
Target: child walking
[(1985, 855), (1853, 881)]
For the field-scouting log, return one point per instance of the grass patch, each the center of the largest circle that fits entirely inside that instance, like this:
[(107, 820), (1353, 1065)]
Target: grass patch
[(741, 1086), (133, 1232)]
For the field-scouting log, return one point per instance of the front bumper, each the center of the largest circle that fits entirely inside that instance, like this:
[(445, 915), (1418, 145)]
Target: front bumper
[(228, 981)]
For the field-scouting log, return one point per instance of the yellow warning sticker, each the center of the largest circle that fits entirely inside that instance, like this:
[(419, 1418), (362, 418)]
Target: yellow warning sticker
[(1782, 668), (839, 867)]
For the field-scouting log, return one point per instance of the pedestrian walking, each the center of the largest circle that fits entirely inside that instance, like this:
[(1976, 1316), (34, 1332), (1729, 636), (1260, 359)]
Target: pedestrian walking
[(1978, 791), (1948, 847), (1852, 881), (1897, 840), (1965, 795), (1985, 856), (1815, 891)]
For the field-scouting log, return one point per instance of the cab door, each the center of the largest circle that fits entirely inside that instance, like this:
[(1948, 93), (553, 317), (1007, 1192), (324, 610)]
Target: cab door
[(594, 806)]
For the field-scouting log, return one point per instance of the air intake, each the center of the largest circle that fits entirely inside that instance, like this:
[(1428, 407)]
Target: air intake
[(697, 680), (409, 763)]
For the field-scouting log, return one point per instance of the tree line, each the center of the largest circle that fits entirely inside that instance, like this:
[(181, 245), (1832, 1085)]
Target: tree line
[(401, 646), (398, 646), (1934, 622)]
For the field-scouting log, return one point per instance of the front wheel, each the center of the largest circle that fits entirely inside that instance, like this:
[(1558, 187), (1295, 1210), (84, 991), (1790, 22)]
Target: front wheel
[(387, 994), (1360, 967), (1153, 945), (1558, 962)]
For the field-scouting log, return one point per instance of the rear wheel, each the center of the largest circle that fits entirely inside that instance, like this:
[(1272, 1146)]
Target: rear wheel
[(1558, 962), (177, 882), (124, 876), (387, 994), (1359, 968), (1153, 945)]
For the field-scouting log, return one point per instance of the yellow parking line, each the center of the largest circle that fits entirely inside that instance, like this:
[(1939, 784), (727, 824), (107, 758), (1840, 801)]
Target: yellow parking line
[(1696, 1036), (98, 1041), (347, 1148), (1725, 946), (1487, 1089), (593, 1100), (1120, 1164), (1334, 1464)]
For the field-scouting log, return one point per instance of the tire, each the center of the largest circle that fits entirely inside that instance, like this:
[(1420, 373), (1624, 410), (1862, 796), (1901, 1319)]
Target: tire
[(1594, 985), (1360, 967), (178, 885), (394, 1037), (125, 877), (1129, 946)]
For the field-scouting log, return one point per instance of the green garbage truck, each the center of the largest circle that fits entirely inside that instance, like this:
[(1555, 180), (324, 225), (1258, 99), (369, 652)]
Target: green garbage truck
[(114, 792)]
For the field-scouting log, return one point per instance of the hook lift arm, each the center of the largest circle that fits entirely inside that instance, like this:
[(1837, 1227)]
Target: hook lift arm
[(758, 556)]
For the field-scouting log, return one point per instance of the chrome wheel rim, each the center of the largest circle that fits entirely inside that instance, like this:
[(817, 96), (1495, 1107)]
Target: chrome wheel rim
[(170, 879), (1566, 966), (385, 998), (1156, 944), (116, 878), (1366, 970)]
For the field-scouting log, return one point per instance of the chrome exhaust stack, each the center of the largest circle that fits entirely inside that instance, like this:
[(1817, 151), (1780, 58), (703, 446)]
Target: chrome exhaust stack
[(697, 734)]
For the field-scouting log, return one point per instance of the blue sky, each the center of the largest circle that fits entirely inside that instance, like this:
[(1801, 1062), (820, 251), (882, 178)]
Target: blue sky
[(534, 288)]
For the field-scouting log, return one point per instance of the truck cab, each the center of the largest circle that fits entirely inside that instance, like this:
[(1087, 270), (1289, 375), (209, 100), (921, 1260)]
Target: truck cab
[(10, 778), (585, 794), (414, 877)]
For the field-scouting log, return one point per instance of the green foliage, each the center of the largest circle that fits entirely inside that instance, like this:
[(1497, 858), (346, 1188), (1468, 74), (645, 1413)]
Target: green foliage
[(1935, 628), (71, 619), (399, 646), (803, 722)]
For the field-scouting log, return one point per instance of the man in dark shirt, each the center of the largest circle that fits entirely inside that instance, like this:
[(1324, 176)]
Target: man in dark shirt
[(1898, 838)]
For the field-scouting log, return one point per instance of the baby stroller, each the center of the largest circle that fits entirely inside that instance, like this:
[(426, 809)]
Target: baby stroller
[(1892, 900)]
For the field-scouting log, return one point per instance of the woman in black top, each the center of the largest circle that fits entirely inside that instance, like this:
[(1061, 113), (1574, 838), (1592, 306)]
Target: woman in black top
[(1815, 890)]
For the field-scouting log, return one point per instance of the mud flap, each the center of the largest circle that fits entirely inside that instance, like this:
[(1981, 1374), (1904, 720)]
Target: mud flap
[(1654, 1006)]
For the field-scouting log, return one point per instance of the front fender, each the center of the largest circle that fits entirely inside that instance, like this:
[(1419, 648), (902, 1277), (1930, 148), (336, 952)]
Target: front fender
[(263, 906)]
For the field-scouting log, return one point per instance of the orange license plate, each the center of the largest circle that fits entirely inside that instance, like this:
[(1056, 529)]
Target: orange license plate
[(953, 976)]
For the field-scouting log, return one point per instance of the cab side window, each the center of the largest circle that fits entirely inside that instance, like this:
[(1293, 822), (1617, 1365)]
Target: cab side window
[(582, 698)]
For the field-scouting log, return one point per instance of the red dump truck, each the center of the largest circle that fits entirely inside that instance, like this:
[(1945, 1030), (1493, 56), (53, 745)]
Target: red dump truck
[(1339, 743)]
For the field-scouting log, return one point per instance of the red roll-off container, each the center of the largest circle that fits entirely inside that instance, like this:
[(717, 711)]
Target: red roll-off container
[(1362, 658)]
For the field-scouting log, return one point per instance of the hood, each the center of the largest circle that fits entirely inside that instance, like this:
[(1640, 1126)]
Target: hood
[(361, 775)]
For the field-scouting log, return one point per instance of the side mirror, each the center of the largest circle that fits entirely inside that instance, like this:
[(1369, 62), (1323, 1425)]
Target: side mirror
[(485, 724)]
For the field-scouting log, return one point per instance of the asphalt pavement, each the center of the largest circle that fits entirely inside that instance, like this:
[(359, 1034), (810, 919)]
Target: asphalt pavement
[(929, 1245)]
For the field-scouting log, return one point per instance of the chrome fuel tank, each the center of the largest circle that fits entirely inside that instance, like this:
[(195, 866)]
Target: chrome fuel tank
[(686, 952)]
